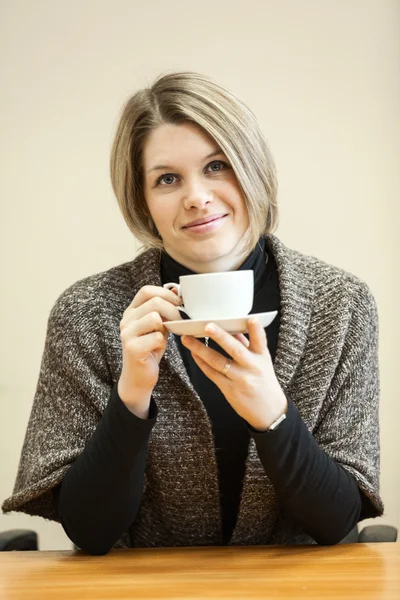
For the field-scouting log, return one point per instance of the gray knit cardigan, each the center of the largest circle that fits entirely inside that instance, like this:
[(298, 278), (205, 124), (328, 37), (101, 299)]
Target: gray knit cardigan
[(326, 362)]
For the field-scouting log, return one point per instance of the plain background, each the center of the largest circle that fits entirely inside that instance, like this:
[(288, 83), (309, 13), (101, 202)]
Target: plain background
[(323, 79)]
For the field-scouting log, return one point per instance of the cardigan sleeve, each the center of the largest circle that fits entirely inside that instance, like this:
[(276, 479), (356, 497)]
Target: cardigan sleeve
[(348, 428), (73, 389)]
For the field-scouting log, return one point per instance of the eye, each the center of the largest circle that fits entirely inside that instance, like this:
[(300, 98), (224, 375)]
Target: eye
[(172, 175), (169, 175), (217, 162)]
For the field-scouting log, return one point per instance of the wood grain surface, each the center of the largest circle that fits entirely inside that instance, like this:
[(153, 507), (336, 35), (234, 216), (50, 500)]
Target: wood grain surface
[(364, 571)]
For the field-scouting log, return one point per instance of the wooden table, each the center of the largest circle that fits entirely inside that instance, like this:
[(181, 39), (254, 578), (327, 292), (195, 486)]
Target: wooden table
[(365, 571)]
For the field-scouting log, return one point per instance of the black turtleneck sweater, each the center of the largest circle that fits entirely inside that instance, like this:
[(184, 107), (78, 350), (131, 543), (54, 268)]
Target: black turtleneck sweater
[(100, 495)]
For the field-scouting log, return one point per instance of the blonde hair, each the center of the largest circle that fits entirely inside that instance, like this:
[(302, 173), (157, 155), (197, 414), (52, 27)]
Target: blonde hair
[(192, 97)]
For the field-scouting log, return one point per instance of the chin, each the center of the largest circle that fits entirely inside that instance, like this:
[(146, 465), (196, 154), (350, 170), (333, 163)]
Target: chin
[(210, 252)]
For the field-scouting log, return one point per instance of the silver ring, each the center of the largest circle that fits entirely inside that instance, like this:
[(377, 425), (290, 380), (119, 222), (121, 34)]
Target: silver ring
[(226, 368)]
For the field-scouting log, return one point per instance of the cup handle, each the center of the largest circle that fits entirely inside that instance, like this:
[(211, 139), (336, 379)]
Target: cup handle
[(170, 286)]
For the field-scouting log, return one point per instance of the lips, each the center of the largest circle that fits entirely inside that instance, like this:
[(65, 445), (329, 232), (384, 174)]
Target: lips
[(204, 220)]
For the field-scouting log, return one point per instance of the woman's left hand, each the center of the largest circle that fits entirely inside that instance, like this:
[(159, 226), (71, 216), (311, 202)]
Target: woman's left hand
[(249, 384)]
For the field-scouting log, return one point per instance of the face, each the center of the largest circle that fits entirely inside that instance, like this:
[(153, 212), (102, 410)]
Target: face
[(188, 179)]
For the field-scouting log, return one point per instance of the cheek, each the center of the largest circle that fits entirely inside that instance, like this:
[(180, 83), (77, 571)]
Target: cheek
[(163, 216), (235, 191)]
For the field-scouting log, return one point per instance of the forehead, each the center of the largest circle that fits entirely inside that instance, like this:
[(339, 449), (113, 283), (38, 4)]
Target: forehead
[(174, 142)]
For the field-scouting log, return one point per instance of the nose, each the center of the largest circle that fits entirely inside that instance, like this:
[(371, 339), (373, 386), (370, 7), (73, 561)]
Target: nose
[(198, 195)]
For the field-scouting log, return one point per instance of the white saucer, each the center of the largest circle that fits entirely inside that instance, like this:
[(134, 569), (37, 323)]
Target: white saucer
[(195, 327)]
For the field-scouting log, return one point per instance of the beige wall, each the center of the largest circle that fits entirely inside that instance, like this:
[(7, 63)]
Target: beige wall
[(323, 79)]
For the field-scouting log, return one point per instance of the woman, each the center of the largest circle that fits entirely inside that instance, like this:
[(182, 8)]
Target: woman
[(138, 437)]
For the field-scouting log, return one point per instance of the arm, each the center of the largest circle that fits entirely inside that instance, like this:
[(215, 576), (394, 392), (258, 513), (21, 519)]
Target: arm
[(101, 492), (73, 390), (318, 477), (312, 489)]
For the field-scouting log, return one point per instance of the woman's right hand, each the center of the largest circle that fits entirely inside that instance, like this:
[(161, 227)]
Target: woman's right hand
[(144, 340)]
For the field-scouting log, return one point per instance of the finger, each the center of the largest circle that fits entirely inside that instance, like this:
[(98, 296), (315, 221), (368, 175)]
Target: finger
[(163, 307), (232, 346), (168, 311), (211, 357), (243, 339), (138, 327), (147, 292), (258, 338), (140, 347), (212, 374)]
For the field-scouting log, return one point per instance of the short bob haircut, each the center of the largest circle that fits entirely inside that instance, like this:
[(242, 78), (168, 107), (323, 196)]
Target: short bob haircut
[(192, 97)]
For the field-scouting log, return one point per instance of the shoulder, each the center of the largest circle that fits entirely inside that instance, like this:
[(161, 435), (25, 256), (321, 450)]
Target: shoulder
[(328, 280), (105, 293), (340, 285), (332, 301)]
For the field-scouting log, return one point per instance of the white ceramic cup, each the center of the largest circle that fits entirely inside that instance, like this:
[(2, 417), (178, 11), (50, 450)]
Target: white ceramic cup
[(216, 295)]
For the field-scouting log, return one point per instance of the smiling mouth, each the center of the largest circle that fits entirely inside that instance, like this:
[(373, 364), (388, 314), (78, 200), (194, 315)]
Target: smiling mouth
[(205, 223)]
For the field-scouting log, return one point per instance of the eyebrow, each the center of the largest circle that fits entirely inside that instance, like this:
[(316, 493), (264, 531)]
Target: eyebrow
[(159, 167)]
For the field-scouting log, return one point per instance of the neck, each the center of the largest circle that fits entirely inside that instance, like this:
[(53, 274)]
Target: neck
[(217, 264)]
